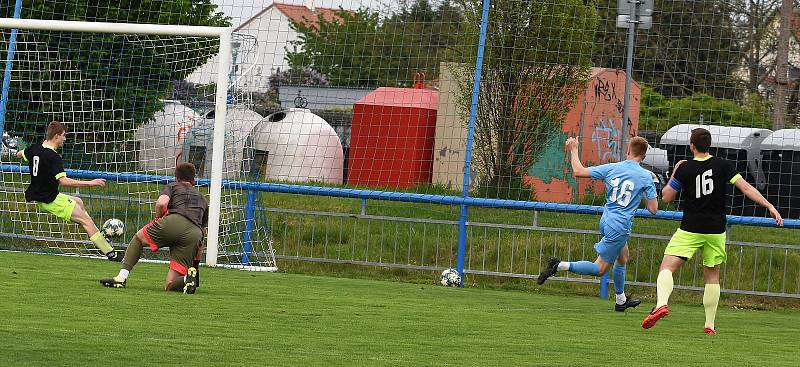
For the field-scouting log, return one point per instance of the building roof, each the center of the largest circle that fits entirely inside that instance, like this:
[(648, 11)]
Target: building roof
[(297, 14)]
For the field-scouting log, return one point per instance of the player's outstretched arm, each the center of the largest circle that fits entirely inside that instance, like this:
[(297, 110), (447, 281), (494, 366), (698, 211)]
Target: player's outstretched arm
[(753, 194), (578, 170), (66, 181)]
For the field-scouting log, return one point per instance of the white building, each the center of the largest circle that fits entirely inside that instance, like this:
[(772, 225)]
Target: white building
[(272, 31)]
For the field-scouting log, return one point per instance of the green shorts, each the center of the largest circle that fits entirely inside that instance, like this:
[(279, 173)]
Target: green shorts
[(179, 234), (685, 244), (61, 207)]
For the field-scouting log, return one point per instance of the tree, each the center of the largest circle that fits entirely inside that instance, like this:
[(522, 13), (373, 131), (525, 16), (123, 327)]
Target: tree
[(428, 33), (362, 49), (304, 76), (757, 38), (536, 62), (782, 65), (660, 114), (692, 47), (122, 78), (340, 48)]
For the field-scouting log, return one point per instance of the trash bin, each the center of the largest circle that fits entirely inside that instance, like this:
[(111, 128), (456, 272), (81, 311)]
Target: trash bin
[(296, 145), (740, 145), (392, 136), (198, 141), (780, 153)]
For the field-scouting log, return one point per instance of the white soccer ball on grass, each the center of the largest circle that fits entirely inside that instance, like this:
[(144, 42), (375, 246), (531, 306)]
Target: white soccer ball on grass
[(451, 278)]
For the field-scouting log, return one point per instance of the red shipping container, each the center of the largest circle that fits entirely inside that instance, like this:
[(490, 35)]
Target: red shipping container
[(391, 138)]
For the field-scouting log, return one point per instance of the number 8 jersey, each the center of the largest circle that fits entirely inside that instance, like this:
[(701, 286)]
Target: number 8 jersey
[(626, 183), (702, 184), (45, 167)]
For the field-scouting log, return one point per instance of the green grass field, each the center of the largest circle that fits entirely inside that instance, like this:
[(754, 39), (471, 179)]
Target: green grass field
[(54, 312)]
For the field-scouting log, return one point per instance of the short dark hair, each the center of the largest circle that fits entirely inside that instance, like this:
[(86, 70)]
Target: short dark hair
[(54, 128), (185, 172), (701, 139), (638, 146)]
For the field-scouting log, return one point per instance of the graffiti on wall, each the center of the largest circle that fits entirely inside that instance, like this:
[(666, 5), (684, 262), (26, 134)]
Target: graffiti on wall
[(596, 119), (606, 90), (606, 136)]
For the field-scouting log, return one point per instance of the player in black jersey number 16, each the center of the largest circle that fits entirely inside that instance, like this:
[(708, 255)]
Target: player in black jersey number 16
[(701, 183)]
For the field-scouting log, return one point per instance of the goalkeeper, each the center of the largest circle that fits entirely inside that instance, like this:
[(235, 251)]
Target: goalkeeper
[(181, 219), (46, 168)]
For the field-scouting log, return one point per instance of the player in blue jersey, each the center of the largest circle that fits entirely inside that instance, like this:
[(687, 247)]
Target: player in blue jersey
[(627, 184)]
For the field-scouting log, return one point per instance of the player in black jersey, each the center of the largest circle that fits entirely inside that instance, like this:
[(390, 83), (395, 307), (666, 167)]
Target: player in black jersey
[(46, 169), (702, 182)]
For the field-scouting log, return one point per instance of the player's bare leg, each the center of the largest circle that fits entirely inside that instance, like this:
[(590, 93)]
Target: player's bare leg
[(78, 202), (81, 217), (181, 283)]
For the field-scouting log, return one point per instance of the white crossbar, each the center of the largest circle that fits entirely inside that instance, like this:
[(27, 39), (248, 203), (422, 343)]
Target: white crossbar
[(101, 27)]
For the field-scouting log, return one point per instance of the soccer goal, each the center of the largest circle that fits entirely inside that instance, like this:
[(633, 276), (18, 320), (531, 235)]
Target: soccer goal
[(131, 118)]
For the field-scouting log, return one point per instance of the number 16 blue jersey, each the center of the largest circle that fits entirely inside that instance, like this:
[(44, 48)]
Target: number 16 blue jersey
[(626, 183)]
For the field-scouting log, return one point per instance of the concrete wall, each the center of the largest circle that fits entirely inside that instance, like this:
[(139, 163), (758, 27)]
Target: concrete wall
[(595, 119), (450, 145)]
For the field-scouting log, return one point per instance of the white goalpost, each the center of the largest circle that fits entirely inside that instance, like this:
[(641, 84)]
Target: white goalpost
[(135, 175)]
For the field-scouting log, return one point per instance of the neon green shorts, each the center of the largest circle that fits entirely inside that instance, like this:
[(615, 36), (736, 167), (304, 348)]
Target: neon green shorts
[(61, 207), (685, 244)]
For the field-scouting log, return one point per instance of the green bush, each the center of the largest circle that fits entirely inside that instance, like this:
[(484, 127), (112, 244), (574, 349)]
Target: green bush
[(660, 113)]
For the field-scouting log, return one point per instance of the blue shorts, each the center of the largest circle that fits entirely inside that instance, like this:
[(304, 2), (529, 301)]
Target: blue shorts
[(611, 244)]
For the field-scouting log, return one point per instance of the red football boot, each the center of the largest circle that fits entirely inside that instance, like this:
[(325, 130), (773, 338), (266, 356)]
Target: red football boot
[(655, 315)]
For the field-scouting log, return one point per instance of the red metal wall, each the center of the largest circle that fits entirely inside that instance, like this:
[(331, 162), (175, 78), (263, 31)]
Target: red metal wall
[(392, 136)]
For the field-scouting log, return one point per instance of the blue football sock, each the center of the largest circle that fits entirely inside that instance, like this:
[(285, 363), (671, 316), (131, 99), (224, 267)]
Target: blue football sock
[(619, 279), (584, 268)]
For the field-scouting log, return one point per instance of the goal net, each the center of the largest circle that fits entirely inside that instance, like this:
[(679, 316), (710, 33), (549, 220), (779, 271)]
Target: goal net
[(130, 119)]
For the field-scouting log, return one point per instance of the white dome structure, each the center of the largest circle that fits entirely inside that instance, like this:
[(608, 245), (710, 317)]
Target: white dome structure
[(238, 125), (298, 146), (161, 139)]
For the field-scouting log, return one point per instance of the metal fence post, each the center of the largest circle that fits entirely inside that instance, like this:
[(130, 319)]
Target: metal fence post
[(12, 42), (476, 87)]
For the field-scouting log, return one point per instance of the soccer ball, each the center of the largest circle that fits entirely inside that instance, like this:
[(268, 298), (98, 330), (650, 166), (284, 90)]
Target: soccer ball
[(113, 228), (451, 278)]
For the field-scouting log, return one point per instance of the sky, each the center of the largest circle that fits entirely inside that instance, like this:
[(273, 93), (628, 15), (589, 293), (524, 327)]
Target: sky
[(241, 10)]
